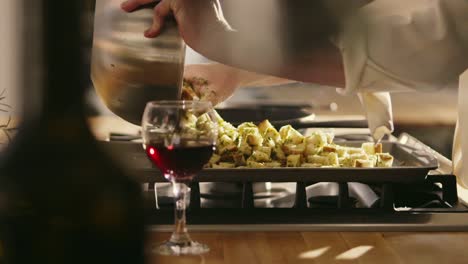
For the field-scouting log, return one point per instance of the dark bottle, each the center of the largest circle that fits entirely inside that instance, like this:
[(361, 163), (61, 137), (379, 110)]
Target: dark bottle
[(61, 199)]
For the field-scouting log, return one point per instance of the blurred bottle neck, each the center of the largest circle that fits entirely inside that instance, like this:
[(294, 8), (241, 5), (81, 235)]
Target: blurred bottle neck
[(52, 62)]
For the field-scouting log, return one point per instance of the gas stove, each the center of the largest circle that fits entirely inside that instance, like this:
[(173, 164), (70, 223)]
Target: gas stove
[(431, 204)]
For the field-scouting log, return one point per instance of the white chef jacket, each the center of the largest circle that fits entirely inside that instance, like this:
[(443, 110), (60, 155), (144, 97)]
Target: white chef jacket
[(404, 45)]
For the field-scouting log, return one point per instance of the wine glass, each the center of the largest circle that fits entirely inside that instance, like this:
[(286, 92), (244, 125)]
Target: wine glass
[(179, 137)]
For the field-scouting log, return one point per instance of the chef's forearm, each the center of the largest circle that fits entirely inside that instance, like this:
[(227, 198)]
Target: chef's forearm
[(321, 64), (262, 41)]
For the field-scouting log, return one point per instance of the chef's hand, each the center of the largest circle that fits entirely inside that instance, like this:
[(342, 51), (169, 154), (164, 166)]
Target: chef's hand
[(217, 82), (195, 18)]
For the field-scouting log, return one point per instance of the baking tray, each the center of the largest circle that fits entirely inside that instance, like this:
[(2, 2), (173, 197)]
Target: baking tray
[(410, 165)]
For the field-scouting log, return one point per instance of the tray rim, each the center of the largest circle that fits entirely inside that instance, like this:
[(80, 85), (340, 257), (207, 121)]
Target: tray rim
[(394, 174)]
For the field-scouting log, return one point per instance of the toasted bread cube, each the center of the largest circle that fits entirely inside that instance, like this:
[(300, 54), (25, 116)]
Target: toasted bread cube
[(368, 147), (330, 136), (293, 161), (378, 148), (373, 159), (218, 118), (352, 150), (188, 93), (329, 148), (294, 149), (221, 131), (333, 159), (247, 130), (350, 160), (363, 163), (254, 164), (225, 140), (215, 158), (189, 120), (229, 130), (226, 157), (278, 153), (311, 149), (272, 134), (322, 160), (244, 127), (260, 156), (284, 130), (225, 144), (223, 165), (250, 134), (269, 143), (346, 162), (228, 126), (319, 139), (341, 151), (254, 139), (244, 148), (264, 149), (361, 156), (202, 119), (272, 164), (239, 159), (227, 165), (290, 136), (264, 125), (384, 160)]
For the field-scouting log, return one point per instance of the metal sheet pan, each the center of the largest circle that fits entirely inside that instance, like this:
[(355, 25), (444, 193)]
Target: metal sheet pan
[(410, 165)]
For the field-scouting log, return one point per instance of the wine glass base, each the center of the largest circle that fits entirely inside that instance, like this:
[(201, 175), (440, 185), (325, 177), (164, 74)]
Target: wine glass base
[(169, 248)]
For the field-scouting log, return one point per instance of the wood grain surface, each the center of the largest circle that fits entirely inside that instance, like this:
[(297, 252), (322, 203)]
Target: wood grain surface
[(321, 247)]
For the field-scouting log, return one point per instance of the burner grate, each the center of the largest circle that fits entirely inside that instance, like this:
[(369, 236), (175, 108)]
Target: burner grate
[(438, 193)]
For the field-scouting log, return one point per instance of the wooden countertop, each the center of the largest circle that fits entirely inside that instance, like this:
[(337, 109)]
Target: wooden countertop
[(322, 247)]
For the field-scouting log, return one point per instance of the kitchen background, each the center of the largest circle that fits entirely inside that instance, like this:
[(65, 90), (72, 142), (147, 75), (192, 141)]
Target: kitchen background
[(428, 116)]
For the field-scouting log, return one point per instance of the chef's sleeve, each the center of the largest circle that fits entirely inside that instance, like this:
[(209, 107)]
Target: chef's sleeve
[(401, 45)]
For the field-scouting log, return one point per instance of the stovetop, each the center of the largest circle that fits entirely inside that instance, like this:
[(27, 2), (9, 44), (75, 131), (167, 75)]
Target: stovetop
[(431, 205)]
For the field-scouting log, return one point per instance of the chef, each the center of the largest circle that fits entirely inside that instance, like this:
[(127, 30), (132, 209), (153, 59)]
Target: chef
[(367, 47)]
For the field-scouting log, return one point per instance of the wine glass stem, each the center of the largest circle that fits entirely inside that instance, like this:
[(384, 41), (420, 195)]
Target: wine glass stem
[(180, 234)]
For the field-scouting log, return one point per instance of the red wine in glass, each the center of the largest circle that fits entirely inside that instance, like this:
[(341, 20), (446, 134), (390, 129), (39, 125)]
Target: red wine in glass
[(179, 162), (179, 146)]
